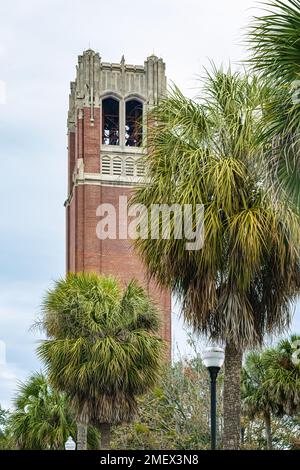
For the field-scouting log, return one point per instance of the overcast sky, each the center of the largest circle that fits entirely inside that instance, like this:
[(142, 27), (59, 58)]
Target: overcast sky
[(39, 44)]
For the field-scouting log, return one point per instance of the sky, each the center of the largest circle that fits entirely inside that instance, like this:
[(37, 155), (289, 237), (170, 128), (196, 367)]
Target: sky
[(39, 44)]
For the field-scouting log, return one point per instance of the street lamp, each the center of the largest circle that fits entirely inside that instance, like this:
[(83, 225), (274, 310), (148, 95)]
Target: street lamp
[(70, 444), (213, 359)]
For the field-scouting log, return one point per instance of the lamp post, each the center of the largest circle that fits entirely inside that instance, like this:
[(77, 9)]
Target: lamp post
[(70, 444), (213, 359)]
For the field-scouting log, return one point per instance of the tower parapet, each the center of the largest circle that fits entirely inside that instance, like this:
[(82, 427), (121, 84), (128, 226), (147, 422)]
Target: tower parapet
[(95, 79), (112, 98)]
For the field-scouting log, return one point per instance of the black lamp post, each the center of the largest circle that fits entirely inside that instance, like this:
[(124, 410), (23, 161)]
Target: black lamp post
[(213, 359)]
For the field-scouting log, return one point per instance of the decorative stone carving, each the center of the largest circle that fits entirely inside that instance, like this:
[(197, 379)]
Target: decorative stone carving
[(95, 79)]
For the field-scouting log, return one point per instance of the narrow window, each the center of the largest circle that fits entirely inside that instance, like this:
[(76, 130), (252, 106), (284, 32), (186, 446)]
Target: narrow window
[(110, 121), (133, 123), (105, 166), (117, 166)]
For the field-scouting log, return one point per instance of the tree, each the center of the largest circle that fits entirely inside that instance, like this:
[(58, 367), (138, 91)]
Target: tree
[(42, 418), (5, 440), (271, 384), (3, 418), (274, 42), (174, 415), (283, 376), (240, 285), (102, 348), (255, 393)]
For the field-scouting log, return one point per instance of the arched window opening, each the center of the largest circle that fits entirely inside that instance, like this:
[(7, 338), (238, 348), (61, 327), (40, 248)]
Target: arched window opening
[(133, 123), (110, 121), (117, 166), (105, 166), (129, 167)]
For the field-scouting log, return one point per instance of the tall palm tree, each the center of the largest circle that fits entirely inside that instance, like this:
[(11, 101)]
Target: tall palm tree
[(102, 348), (271, 384), (274, 42), (42, 418), (239, 286)]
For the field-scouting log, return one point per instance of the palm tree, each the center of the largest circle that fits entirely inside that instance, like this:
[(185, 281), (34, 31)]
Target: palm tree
[(283, 377), (102, 348), (255, 394), (42, 418), (271, 384), (274, 41), (239, 286)]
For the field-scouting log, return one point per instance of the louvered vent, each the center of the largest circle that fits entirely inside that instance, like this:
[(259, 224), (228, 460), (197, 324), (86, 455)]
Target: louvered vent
[(117, 166), (105, 166)]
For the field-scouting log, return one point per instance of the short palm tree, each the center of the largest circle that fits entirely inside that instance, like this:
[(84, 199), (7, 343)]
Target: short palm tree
[(256, 394), (271, 384), (239, 286), (42, 418), (283, 376), (102, 348), (274, 43)]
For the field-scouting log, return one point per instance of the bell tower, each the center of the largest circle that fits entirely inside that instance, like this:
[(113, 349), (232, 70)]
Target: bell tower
[(108, 104)]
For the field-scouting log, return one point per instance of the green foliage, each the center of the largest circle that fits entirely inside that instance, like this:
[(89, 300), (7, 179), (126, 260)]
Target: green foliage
[(5, 440), (271, 387), (285, 433), (174, 415), (255, 393), (102, 348), (4, 414), (42, 418), (274, 40), (283, 377)]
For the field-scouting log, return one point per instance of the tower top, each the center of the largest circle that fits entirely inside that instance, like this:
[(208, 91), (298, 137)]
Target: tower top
[(96, 79)]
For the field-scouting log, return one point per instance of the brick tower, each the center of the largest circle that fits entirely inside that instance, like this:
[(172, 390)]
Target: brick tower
[(107, 105)]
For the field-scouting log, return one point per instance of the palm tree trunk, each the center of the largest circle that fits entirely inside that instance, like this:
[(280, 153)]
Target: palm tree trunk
[(105, 430), (81, 436), (232, 397), (268, 428)]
